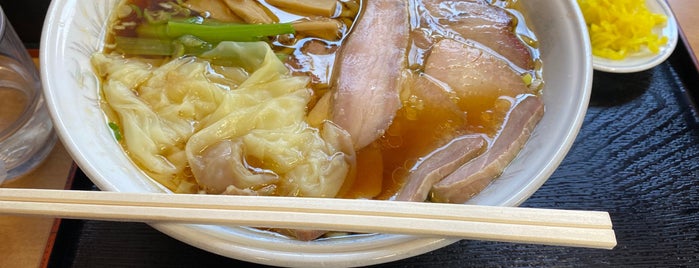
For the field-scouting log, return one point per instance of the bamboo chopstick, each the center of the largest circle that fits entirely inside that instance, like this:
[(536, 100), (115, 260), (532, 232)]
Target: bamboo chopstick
[(507, 224)]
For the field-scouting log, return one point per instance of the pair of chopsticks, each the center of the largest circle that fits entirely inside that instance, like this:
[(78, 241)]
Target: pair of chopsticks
[(507, 224)]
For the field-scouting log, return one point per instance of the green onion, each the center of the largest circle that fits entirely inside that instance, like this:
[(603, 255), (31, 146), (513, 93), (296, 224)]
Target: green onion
[(115, 129)]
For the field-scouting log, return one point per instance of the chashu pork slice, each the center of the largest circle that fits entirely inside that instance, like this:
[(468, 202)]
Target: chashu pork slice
[(475, 74), (484, 23), (475, 175), (366, 94), (438, 165), (472, 72)]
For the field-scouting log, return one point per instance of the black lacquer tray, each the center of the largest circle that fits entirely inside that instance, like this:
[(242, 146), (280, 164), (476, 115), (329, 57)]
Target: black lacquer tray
[(637, 156)]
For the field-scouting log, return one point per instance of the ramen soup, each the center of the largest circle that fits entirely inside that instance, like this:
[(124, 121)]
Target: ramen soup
[(416, 100)]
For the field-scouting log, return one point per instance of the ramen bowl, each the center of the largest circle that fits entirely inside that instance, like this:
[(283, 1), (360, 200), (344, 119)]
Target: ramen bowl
[(74, 29)]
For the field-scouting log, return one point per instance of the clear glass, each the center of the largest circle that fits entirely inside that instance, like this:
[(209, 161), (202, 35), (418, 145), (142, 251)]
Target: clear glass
[(26, 130)]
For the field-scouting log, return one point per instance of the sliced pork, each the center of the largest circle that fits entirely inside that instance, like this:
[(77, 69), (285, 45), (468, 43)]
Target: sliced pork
[(475, 175), (372, 61), (438, 165), (472, 72), (486, 24), (476, 77)]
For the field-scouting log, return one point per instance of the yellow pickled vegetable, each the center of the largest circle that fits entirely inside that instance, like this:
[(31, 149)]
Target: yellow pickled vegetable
[(620, 27)]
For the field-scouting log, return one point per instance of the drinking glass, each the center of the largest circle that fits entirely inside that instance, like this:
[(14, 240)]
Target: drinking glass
[(26, 129)]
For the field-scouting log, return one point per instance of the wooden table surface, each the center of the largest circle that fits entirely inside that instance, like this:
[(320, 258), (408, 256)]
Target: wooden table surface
[(25, 240), (686, 15)]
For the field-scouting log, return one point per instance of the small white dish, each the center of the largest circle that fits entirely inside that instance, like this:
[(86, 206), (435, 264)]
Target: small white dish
[(645, 60)]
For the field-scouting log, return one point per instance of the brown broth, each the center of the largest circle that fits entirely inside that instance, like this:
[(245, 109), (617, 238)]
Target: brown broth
[(419, 128)]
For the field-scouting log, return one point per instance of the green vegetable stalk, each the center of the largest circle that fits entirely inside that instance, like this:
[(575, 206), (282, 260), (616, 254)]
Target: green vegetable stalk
[(215, 33), (176, 38)]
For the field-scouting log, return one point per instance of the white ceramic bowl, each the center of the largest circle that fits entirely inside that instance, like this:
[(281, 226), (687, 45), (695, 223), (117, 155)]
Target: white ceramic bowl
[(74, 29)]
